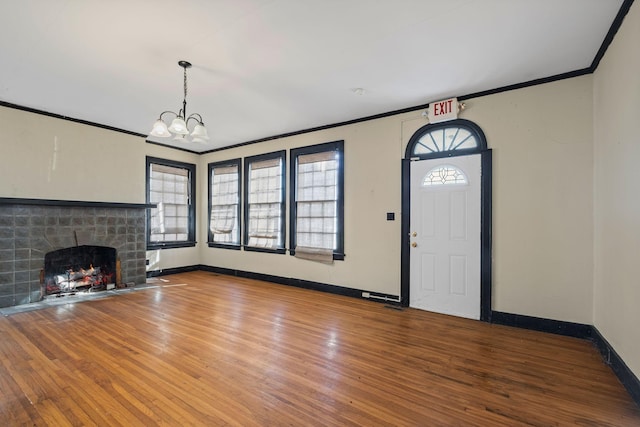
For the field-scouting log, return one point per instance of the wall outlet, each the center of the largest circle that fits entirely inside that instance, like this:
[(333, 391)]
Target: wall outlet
[(366, 295)]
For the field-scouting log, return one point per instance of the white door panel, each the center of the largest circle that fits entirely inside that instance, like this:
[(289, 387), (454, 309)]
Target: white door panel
[(445, 237)]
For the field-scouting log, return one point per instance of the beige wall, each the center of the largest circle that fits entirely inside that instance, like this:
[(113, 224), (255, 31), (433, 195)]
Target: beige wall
[(617, 195), (543, 198), (48, 158), (543, 225)]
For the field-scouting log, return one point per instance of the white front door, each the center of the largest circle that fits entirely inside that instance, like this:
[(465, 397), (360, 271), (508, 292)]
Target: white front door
[(445, 235)]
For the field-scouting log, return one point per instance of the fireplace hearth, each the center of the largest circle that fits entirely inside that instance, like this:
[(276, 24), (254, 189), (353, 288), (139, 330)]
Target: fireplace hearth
[(79, 268)]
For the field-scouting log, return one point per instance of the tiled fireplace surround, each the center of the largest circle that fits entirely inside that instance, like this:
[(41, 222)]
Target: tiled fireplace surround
[(31, 228)]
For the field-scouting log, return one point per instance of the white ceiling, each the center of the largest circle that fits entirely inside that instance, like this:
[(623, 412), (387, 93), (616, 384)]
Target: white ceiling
[(268, 67)]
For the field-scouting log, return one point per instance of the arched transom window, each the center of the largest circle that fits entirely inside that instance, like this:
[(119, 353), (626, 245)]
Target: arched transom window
[(444, 175), (446, 139)]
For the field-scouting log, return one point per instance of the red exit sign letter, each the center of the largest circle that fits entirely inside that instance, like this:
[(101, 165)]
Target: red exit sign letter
[(444, 110)]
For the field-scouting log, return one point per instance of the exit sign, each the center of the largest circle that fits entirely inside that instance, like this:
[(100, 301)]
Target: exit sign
[(444, 110)]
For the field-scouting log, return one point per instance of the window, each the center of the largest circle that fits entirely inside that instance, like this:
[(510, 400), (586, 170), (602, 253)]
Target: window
[(444, 175), (317, 199), (264, 202), (446, 139), (224, 204), (170, 186)]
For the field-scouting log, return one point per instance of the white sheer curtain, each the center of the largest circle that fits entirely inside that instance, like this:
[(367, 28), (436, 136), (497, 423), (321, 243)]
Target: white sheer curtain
[(316, 205), (169, 190), (224, 204), (265, 204)]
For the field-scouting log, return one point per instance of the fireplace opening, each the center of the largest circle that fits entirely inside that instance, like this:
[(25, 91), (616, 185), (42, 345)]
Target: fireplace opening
[(79, 268)]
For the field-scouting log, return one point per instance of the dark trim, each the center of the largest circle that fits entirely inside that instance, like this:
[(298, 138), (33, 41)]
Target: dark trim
[(405, 218), (281, 154), (73, 203), (576, 330), (432, 127), (299, 283), (280, 251), (70, 119), (558, 327), (224, 246), (171, 146), (318, 128), (529, 83), (613, 30), (171, 245), (486, 233), (191, 231), (337, 146), (622, 371), (534, 82), (210, 168), (176, 270)]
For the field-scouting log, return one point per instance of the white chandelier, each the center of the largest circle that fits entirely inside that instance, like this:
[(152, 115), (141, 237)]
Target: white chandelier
[(178, 128)]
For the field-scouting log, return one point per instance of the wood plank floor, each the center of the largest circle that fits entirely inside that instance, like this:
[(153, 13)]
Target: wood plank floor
[(206, 349)]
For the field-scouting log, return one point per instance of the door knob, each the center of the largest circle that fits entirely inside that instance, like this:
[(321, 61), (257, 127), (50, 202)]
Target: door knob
[(414, 234), (414, 244)]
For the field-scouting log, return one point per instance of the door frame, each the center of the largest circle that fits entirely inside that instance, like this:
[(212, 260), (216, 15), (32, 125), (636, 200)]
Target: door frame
[(485, 209)]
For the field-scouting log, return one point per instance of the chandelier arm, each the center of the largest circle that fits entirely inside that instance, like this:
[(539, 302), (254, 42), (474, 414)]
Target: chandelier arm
[(164, 112), (197, 117)]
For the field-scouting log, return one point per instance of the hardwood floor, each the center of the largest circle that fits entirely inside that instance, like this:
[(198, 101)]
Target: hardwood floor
[(206, 349)]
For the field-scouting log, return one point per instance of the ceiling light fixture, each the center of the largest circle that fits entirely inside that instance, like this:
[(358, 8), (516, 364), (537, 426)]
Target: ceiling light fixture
[(179, 126)]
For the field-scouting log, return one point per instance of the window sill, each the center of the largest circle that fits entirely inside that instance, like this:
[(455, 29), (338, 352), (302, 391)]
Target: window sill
[(336, 256), (224, 246), (266, 250), (170, 245)]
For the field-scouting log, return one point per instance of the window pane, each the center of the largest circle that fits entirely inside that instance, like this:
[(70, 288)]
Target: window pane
[(444, 175), (264, 203), (449, 138), (225, 204), (316, 196)]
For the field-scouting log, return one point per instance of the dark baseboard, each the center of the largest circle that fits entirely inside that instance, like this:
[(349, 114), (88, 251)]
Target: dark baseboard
[(577, 330), (288, 281), (622, 371), (305, 284), (167, 271)]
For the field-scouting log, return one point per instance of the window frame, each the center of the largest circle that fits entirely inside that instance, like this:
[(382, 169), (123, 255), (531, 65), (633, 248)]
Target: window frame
[(338, 146), (469, 126), (191, 186), (282, 155), (211, 243)]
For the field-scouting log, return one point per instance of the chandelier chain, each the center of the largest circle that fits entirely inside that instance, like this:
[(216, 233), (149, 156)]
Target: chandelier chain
[(185, 83)]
